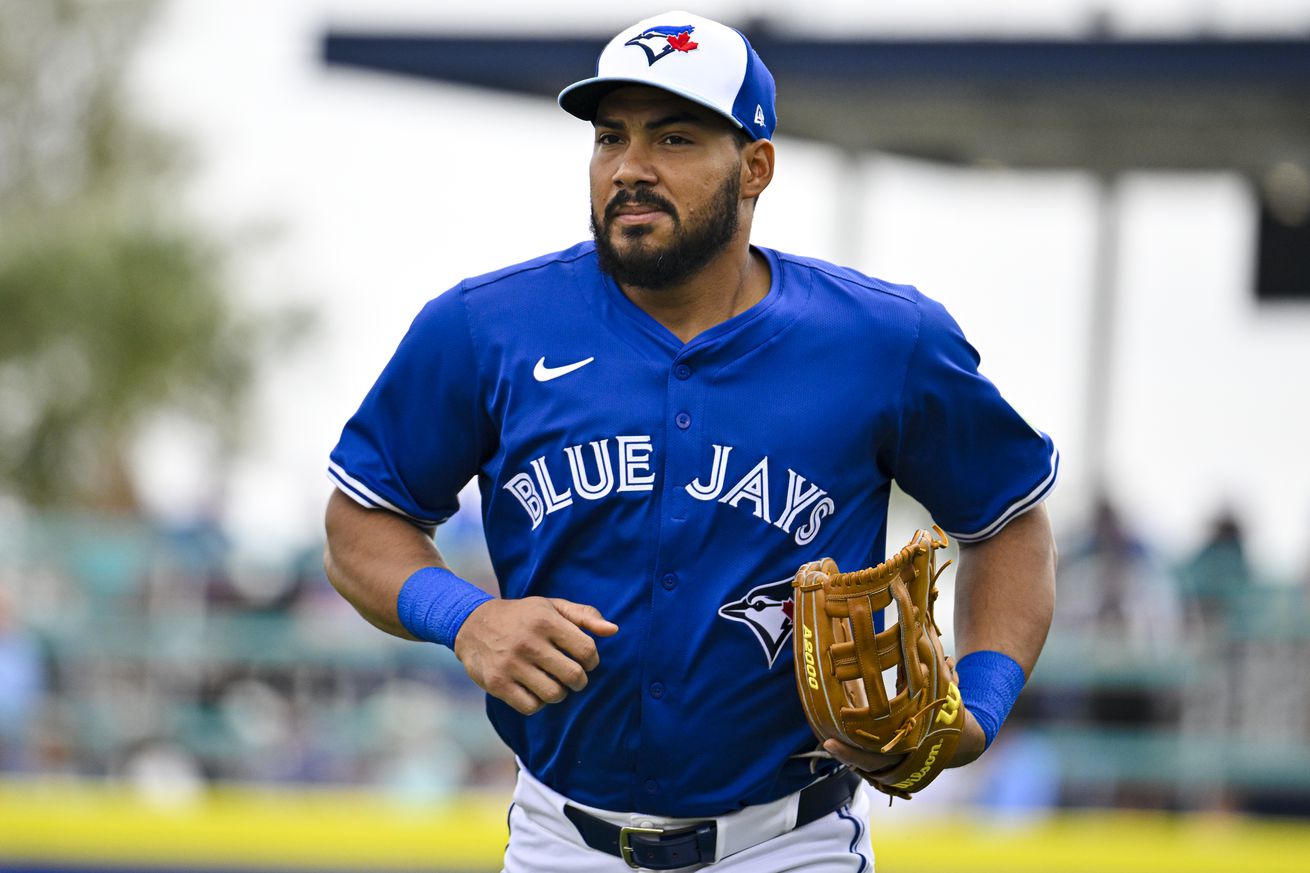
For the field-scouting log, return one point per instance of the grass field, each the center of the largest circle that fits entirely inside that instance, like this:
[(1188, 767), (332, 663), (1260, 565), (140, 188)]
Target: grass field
[(82, 827)]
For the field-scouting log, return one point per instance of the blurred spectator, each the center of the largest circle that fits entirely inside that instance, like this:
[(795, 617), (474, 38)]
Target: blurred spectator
[(419, 760), (1119, 608), (1218, 575), (1112, 586), (1021, 777), (22, 683), (196, 550), (163, 774)]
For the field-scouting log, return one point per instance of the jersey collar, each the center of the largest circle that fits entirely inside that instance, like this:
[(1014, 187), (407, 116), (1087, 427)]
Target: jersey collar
[(723, 342)]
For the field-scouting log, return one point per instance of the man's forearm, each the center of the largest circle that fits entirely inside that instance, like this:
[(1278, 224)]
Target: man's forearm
[(1005, 591), (369, 555)]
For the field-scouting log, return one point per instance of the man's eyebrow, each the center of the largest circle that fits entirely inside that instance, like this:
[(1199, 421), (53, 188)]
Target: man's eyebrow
[(676, 118), (666, 121)]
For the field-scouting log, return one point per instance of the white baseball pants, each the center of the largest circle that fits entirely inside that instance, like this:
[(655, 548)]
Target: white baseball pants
[(542, 840)]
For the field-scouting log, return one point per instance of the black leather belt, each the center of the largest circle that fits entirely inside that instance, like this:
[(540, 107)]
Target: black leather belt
[(671, 848)]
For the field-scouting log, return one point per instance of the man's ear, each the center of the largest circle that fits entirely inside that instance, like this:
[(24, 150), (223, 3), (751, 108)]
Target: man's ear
[(756, 168)]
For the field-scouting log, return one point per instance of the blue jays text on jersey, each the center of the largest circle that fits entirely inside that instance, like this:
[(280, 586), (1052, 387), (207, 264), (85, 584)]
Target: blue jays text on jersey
[(540, 496), (677, 487)]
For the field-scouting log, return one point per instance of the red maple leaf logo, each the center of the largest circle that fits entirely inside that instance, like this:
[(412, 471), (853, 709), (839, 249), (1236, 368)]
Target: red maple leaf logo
[(682, 42)]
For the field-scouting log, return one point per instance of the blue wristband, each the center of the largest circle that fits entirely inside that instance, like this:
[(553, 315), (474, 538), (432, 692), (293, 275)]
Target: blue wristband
[(434, 602), (990, 683)]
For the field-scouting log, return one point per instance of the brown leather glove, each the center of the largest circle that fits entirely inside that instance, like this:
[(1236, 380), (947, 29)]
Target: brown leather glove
[(840, 662)]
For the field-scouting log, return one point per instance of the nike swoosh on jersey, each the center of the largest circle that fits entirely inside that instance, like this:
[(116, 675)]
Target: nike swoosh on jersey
[(542, 373)]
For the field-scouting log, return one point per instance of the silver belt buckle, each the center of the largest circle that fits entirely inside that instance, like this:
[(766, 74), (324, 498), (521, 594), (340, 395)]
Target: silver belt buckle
[(625, 848)]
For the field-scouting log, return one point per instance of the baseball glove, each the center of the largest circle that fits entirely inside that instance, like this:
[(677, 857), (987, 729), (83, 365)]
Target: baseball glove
[(840, 661)]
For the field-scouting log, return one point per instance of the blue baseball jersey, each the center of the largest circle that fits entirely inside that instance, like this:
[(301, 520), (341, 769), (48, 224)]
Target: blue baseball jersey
[(677, 487)]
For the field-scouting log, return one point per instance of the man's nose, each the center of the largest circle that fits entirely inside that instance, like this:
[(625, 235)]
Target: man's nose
[(635, 167)]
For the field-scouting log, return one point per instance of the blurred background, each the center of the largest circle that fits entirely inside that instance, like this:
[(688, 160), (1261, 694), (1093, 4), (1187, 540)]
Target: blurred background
[(217, 220)]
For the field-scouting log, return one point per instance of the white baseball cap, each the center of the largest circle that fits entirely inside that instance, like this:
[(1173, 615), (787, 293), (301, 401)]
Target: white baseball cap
[(696, 58)]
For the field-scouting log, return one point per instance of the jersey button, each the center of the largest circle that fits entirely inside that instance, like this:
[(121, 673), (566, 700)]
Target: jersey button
[(669, 581), (682, 371), (657, 690), (652, 787), (682, 420)]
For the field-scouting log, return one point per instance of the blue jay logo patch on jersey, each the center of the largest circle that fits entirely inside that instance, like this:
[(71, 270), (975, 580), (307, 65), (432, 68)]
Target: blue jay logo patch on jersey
[(767, 611), (666, 39)]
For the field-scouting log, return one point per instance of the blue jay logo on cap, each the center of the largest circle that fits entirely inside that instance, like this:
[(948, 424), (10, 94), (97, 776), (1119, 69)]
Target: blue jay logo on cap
[(667, 39)]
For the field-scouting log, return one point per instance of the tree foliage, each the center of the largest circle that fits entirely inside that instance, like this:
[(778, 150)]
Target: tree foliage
[(112, 305)]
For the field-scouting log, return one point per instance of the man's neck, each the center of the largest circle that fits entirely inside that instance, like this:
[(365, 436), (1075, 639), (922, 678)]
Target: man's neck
[(727, 286)]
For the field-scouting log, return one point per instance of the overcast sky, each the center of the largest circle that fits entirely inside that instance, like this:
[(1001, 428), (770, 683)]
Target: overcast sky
[(383, 192)]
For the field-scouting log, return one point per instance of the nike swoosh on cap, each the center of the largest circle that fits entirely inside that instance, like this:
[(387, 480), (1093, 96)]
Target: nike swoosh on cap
[(542, 373)]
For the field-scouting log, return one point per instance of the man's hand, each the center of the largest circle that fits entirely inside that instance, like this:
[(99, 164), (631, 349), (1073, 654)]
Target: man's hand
[(533, 651), (971, 746)]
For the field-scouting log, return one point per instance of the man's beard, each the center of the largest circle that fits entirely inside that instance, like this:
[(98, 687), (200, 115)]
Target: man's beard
[(693, 246)]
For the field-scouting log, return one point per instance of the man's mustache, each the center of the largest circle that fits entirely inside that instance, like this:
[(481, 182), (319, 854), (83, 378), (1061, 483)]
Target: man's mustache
[(638, 198)]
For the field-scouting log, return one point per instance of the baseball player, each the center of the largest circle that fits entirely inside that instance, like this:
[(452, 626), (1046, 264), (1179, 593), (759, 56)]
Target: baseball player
[(665, 422)]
